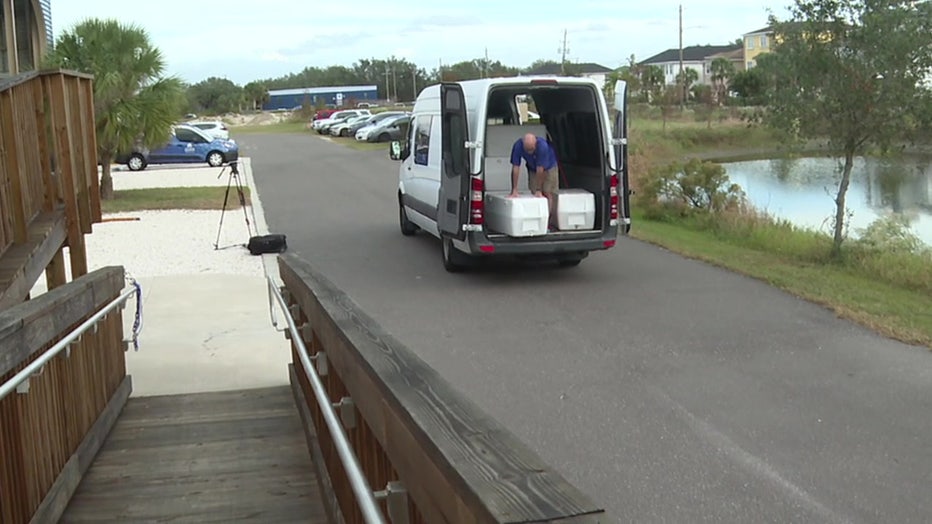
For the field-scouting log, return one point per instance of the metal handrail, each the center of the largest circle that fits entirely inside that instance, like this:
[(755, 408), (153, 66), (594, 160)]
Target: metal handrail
[(36, 365), (364, 494)]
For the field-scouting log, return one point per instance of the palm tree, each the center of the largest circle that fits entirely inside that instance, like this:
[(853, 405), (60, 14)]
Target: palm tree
[(723, 70), (132, 100), (685, 79)]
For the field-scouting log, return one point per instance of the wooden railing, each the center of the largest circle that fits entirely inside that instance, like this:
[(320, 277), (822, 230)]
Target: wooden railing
[(52, 427), (49, 188), (408, 425)]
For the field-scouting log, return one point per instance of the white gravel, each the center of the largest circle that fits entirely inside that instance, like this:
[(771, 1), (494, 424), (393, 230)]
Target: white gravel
[(170, 176), (175, 242)]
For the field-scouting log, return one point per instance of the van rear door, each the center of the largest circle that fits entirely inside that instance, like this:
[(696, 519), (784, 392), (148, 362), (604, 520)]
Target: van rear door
[(453, 204), (620, 141)]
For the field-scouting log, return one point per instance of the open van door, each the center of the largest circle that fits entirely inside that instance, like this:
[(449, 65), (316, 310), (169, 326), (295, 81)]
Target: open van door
[(453, 201), (620, 141)]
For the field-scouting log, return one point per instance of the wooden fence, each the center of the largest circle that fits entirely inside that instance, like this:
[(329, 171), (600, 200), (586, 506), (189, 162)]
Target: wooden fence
[(49, 188), (50, 433), (407, 424)]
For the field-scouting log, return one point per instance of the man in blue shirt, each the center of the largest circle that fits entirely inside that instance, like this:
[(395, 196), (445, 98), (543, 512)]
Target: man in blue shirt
[(541, 162)]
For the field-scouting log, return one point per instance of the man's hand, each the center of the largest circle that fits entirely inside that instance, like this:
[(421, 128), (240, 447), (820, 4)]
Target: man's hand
[(538, 194)]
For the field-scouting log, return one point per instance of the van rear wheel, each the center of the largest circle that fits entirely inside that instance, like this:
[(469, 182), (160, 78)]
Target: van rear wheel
[(454, 261)]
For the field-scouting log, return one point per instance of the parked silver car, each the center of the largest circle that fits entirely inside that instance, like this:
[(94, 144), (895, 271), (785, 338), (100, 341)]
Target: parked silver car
[(391, 128)]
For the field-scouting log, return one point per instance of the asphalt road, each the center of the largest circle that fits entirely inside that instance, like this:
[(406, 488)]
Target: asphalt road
[(667, 389)]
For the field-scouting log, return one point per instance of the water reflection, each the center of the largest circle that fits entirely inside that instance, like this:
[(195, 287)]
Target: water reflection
[(802, 190)]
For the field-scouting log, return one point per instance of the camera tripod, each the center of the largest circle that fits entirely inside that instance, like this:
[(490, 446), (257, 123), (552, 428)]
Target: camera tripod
[(233, 177)]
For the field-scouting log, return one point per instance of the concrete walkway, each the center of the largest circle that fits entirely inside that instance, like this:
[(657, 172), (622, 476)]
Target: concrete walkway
[(206, 321)]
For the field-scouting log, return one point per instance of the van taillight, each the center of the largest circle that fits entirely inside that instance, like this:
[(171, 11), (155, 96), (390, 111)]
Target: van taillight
[(476, 204), (613, 199)]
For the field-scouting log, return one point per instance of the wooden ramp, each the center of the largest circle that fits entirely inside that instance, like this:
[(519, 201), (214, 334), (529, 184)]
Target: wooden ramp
[(231, 457)]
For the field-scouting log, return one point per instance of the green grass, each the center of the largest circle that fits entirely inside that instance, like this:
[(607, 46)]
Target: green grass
[(171, 198), (886, 292)]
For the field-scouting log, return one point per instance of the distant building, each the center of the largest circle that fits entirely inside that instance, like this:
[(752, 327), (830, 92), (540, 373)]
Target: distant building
[(25, 34), (587, 69), (698, 58), (318, 96), (755, 44)]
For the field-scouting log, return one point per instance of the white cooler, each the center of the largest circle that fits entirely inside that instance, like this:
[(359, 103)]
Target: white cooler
[(523, 216), (575, 209)]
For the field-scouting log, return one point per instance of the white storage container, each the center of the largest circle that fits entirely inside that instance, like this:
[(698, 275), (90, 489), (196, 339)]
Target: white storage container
[(523, 216), (575, 209)]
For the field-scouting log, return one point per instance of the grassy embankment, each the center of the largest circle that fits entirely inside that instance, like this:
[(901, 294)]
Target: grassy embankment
[(885, 291)]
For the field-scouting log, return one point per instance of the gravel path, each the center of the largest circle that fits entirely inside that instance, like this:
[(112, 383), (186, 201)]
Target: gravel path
[(174, 242)]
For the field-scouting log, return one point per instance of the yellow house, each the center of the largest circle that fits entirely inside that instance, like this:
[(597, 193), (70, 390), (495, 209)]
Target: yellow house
[(25, 34), (755, 44)]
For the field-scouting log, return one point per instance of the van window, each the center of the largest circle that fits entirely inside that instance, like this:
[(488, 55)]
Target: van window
[(422, 139)]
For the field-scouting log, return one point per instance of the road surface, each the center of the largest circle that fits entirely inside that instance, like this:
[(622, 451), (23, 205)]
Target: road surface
[(667, 389)]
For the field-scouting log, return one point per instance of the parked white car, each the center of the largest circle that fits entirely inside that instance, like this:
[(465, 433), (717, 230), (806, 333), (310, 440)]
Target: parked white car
[(215, 129), (317, 125), (343, 128)]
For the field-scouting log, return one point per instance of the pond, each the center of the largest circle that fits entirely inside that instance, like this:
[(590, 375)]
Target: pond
[(802, 190)]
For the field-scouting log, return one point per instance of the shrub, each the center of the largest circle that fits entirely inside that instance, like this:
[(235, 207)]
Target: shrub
[(695, 187), (891, 234)]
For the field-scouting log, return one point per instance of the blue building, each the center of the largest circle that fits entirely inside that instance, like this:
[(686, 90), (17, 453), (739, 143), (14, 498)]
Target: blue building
[(318, 96)]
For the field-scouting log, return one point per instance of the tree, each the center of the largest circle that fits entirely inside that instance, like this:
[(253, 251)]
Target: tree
[(216, 95), (685, 79), (750, 85), (652, 81), (132, 100), (849, 71), (723, 70), (257, 94)]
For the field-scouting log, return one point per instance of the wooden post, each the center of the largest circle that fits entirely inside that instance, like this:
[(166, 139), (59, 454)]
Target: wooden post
[(78, 123), (14, 168), (42, 140), (90, 134), (66, 162)]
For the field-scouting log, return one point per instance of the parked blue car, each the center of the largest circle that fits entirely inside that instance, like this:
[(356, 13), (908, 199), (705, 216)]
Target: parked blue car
[(187, 145)]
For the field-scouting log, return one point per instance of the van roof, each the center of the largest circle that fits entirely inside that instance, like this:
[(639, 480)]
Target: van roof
[(472, 88)]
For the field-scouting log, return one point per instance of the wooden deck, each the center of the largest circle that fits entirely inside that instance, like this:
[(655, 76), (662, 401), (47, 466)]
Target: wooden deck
[(231, 457)]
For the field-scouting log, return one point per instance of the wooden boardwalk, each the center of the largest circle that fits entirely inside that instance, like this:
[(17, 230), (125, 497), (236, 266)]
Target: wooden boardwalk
[(231, 457)]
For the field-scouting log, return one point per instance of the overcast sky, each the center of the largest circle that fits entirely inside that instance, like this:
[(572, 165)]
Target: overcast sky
[(247, 40)]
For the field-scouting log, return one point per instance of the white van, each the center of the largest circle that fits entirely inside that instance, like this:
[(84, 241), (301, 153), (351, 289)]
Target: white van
[(457, 150)]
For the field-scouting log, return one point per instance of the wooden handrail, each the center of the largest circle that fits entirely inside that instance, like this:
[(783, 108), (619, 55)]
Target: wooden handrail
[(456, 462), (50, 432)]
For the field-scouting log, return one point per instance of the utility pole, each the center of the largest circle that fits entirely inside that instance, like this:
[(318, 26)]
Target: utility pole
[(414, 82), (563, 51), (485, 64), (394, 83), (440, 68), (682, 74), (388, 87)]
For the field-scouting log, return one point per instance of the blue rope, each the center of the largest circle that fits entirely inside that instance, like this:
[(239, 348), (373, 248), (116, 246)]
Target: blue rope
[(137, 318)]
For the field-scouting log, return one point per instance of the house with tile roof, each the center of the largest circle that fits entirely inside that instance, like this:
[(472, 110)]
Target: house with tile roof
[(698, 58)]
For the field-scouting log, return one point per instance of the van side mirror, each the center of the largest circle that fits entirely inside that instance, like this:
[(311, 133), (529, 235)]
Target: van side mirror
[(394, 150)]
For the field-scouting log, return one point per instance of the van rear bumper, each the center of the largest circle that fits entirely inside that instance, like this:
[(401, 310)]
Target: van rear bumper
[(480, 244)]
